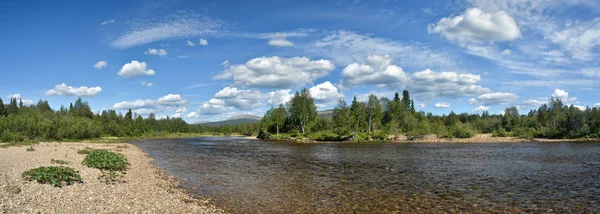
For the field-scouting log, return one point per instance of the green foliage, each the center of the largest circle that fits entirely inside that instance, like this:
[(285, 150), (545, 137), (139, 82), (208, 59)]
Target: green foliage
[(262, 134), (61, 162), (325, 136), (105, 160), (302, 110), (55, 175), (500, 132), (461, 131)]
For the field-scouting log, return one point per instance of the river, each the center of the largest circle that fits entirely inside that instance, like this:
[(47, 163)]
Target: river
[(251, 176)]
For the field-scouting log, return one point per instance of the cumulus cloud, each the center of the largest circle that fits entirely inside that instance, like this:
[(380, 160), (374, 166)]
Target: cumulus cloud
[(65, 90), (203, 42), (100, 64), (134, 69), (158, 52), (162, 104), (428, 85), (494, 99), (563, 95), (170, 27), (325, 94), (214, 107), (442, 105), (377, 70), (531, 104), (582, 108), (481, 109), (279, 97), (240, 99), (475, 25), (346, 47), (172, 100), (280, 43), (277, 72), (19, 98), (192, 115)]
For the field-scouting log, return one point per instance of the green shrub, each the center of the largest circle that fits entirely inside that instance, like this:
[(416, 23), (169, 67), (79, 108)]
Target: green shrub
[(61, 162), (500, 132), (325, 136), (8, 136), (105, 160), (379, 135), (462, 131), (55, 175)]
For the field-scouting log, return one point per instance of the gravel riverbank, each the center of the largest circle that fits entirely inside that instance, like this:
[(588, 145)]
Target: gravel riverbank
[(146, 189)]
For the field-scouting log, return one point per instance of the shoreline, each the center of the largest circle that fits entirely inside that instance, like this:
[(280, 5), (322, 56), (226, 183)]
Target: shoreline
[(146, 187), (478, 138)]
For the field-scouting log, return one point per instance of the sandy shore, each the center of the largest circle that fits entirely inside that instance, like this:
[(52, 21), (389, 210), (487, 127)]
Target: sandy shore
[(146, 188)]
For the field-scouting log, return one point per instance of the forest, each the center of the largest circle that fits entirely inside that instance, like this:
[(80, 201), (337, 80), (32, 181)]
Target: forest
[(40, 122), (376, 118), (370, 120)]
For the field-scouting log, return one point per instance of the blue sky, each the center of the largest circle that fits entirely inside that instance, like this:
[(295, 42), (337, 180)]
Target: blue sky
[(209, 60)]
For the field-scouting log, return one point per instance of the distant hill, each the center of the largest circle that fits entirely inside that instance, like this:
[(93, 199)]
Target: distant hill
[(248, 118), (235, 120)]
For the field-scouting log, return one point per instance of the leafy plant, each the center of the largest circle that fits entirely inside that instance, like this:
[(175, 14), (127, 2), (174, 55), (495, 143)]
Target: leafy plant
[(31, 149), (62, 162), (105, 160), (55, 175)]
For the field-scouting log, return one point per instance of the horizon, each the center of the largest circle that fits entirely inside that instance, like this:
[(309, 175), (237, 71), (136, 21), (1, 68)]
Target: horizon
[(208, 62)]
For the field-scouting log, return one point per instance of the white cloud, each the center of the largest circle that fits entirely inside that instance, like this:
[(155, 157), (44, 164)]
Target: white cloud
[(214, 107), (192, 115), (165, 103), (171, 27), (280, 43), (482, 109), (147, 84), (134, 69), (494, 99), (580, 39), (346, 47), (138, 104), (108, 21), (158, 52), (563, 95), (422, 105), (65, 90), (325, 94), (597, 105), (19, 98), (428, 85), (181, 110), (190, 43), (172, 100), (425, 85), (475, 25), (203, 42), (277, 72), (506, 52), (442, 105), (377, 70), (240, 99), (100, 64), (531, 104), (279, 97)]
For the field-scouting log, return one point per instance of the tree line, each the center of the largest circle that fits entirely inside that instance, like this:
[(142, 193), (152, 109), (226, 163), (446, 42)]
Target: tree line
[(39, 122), (378, 117)]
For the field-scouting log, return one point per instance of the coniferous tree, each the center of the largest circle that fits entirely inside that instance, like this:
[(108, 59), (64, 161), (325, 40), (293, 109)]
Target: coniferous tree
[(2, 110)]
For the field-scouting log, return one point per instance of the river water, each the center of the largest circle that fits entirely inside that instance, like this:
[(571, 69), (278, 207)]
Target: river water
[(252, 176)]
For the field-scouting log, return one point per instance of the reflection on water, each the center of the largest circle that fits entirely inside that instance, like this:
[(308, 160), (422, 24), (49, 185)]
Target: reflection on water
[(252, 176)]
